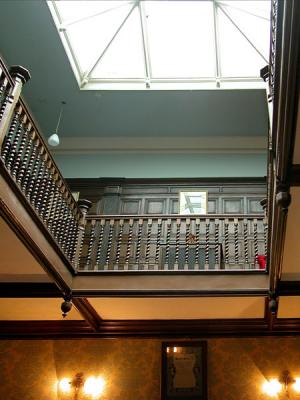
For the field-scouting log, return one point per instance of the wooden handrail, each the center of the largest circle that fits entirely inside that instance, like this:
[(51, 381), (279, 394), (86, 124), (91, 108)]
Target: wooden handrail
[(173, 216)]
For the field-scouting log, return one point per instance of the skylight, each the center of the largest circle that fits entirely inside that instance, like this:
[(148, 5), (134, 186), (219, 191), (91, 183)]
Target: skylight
[(164, 44)]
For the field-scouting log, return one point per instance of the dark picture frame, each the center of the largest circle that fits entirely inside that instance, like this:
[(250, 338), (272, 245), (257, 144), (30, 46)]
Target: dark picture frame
[(184, 370)]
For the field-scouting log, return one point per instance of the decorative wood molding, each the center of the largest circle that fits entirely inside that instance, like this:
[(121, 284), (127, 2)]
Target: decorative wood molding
[(88, 312), (149, 328), (94, 184), (170, 293)]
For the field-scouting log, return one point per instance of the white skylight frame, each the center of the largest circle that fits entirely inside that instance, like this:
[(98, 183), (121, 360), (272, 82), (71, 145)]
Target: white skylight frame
[(148, 81)]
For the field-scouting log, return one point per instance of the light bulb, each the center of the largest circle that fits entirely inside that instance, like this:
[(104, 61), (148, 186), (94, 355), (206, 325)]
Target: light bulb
[(94, 386), (272, 387), (64, 385), (296, 385), (53, 140)]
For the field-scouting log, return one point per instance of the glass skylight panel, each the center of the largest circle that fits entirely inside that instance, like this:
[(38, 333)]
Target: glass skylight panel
[(121, 60), (182, 44), (246, 22), (238, 57), (181, 38)]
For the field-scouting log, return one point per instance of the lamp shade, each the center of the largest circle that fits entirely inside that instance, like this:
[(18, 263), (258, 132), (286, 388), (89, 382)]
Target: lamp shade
[(53, 140)]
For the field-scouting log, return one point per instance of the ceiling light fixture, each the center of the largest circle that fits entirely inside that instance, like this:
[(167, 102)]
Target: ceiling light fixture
[(53, 140)]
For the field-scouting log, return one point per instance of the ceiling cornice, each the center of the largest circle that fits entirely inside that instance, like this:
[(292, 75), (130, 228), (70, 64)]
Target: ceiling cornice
[(201, 144)]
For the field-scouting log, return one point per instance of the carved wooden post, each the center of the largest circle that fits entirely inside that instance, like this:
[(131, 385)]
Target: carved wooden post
[(84, 206), (21, 76)]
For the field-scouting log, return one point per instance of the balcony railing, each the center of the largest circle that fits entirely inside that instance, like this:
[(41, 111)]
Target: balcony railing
[(115, 243), (24, 158), (120, 243)]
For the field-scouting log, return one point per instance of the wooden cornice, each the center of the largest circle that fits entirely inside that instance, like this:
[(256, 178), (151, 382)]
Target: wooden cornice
[(99, 183), (149, 328)]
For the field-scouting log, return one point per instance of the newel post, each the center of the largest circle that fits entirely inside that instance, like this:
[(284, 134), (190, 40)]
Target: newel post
[(20, 76), (84, 206)]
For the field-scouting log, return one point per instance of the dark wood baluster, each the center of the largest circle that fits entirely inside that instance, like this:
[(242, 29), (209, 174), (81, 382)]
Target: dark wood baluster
[(19, 152), (2, 93), (25, 159), (71, 236), (34, 172), (9, 137), (27, 172), (109, 244), (10, 159), (39, 177), (65, 229), (246, 243), (91, 243), (58, 215), (78, 258), (236, 241), (226, 238), (3, 87), (177, 244), (77, 243), (44, 177), (46, 199), (206, 266), (217, 245), (197, 247), (3, 107), (119, 242), (52, 206), (265, 223), (187, 243), (147, 257), (61, 220), (139, 242), (158, 244), (72, 240), (99, 245), (129, 241), (255, 242), (168, 235)]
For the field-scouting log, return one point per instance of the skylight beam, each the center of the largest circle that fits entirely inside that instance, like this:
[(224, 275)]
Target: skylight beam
[(87, 75), (217, 46), (244, 11), (66, 24), (243, 34), (145, 44)]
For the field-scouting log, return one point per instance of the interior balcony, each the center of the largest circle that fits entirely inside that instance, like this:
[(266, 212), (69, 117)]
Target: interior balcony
[(158, 265), (157, 253)]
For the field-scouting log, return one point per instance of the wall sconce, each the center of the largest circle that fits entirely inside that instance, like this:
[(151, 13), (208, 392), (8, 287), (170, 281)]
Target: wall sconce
[(281, 387), (92, 387)]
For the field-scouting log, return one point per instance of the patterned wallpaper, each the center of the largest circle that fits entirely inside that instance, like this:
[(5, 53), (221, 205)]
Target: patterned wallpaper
[(236, 367)]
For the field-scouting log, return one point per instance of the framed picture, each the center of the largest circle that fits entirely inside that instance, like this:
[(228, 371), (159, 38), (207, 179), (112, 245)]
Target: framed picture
[(193, 202), (184, 371)]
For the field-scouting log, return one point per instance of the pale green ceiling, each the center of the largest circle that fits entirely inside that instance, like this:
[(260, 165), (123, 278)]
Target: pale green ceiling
[(28, 37)]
